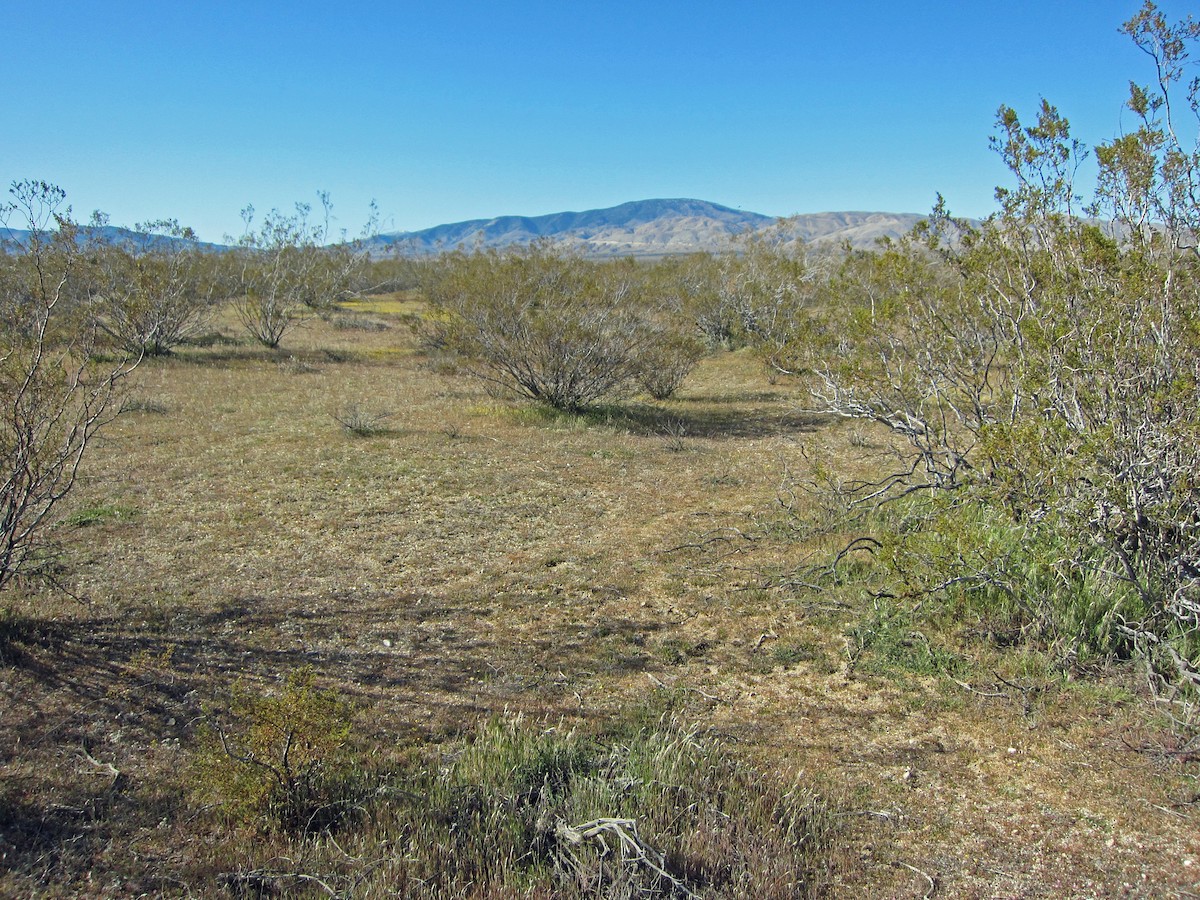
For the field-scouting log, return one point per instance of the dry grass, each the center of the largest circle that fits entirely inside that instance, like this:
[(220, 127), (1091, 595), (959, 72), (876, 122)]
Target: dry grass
[(478, 559)]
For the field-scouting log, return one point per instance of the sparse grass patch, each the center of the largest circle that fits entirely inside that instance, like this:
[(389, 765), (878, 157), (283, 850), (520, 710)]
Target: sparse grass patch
[(411, 574), (676, 651), (397, 303), (385, 354), (675, 435), (211, 339), (789, 653), (18, 630), (294, 365), (540, 414), (724, 479)]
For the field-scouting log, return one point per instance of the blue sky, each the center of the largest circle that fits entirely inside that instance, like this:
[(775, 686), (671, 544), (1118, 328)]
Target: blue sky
[(450, 111)]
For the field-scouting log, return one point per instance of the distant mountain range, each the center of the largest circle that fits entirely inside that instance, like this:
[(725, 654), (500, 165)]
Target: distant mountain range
[(17, 239), (643, 228)]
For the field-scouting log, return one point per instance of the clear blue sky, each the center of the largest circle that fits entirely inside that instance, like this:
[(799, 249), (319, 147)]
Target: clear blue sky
[(444, 111)]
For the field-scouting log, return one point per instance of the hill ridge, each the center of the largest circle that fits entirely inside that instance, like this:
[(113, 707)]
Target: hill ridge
[(651, 227)]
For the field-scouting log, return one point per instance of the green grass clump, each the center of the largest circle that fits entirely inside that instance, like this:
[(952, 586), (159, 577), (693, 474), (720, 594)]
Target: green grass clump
[(517, 810), (99, 514), (789, 653), (888, 642)]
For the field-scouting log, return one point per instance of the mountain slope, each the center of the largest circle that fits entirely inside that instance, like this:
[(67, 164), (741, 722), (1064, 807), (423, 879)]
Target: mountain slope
[(642, 228)]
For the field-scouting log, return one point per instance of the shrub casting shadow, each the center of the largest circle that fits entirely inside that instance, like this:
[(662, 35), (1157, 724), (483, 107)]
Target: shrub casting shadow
[(646, 420)]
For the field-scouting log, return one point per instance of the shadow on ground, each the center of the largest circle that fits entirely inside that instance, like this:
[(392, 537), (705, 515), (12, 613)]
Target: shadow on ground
[(687, 419)]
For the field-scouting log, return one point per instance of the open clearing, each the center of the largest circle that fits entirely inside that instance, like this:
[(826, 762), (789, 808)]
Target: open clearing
[(471, 558)]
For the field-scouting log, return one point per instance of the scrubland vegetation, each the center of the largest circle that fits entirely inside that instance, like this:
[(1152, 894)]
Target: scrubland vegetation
[(778, 573)]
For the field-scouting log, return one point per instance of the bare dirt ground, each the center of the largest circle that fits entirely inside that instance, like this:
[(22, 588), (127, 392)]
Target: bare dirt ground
[(476, 557)]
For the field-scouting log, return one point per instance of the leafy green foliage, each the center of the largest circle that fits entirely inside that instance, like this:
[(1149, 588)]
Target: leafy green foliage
[(99, 514), (891, 644)]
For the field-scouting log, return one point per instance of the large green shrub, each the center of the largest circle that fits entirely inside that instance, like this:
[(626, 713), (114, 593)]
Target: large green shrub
[(1041, 375), (154, 291), (553, 327)]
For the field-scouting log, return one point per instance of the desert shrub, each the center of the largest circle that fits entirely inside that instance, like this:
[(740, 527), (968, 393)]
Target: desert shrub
[(155, 290), (766, 294), (1041, 376), (664, 366), (288, 267), (395, 273), (697, 289), (912, 349), (280, 760), (55, 391), (548, 326), (675, 433)]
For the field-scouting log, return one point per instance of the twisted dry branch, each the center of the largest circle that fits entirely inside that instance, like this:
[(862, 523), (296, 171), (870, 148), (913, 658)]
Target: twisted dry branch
[(634, 852)]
